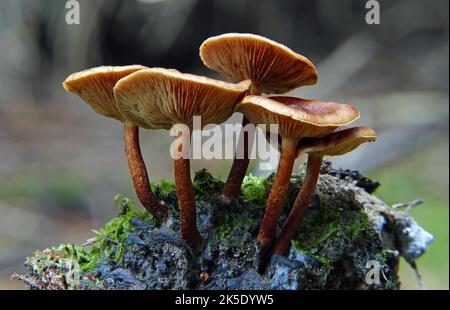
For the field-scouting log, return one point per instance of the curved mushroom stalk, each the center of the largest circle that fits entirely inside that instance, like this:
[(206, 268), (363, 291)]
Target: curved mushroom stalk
[(300, 205), (337, 143), (232, 188), (139, 174), (277, 195), (273, 69)]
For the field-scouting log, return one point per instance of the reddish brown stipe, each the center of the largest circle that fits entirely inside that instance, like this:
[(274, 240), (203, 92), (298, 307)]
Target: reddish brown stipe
[(337, 143), (139, 174), (300, 205), (277, 195)]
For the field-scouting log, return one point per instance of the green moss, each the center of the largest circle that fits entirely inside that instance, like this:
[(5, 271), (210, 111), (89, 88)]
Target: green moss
[(226, 226), (254, 190), (327, 226), (319, 258), (84, 258), (61, 265), (111, 240), (357, 225), (205, 185), (164, 189)]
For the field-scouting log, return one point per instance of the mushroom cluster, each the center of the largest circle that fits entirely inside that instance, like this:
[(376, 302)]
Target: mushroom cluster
[(157, 98)]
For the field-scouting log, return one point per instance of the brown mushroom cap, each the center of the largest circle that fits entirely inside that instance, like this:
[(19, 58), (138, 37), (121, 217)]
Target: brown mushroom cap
[(272, 67), (160, 98), (95, 87), (339, 142), (297, 118)]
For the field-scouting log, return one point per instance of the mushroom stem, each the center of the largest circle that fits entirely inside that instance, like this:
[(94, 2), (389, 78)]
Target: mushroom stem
[(277, 194), (139, 174), (232, 187), (186, 199), (300, 205)]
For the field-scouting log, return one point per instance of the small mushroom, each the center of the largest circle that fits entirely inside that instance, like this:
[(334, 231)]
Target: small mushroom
[(273, 69), (296, 119), (337, 143), (160, 99), (95, 87)]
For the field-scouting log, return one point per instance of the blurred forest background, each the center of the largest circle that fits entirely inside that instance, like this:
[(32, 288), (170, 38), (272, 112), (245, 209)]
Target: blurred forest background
[(61, 164)]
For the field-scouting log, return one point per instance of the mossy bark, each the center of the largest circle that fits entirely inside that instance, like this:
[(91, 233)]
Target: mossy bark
[(344, 230)]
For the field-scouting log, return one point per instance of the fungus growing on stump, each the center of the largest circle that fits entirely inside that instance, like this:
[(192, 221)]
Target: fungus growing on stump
[(161, 98), (296, 119), (95, 87), (273, 69), (337, 143)]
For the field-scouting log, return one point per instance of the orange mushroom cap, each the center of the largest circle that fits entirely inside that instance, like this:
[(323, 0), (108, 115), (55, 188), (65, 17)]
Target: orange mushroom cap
[(297, 118), (272, 67), (160, 98), (339, 142), (95, 87)]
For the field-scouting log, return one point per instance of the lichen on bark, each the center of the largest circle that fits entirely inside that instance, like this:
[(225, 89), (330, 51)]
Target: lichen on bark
[(345, 229)]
